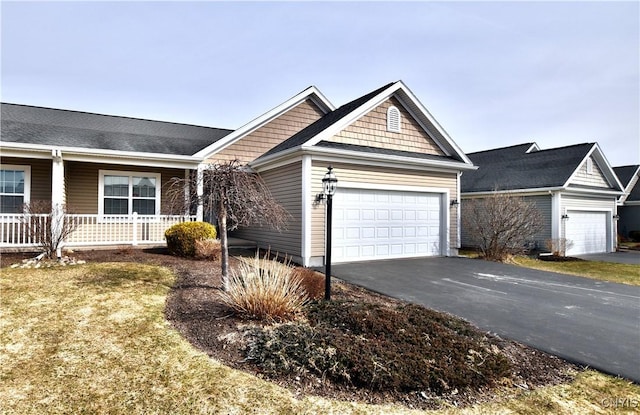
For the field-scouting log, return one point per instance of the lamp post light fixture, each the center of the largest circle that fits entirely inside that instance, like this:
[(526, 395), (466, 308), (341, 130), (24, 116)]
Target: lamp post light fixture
[(329, 186)]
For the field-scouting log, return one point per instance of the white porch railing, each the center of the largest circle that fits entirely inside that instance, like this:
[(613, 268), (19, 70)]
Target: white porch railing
[(17, 230)]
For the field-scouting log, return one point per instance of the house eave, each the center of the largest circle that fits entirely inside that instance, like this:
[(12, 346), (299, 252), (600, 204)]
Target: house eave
[(413, 105), (88, 155), (537, 190), (543, 190), (372, 158), (311, 93)]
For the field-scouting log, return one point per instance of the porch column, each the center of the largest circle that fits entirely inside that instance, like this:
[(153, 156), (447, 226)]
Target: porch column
[(58, 197), (200, 192)]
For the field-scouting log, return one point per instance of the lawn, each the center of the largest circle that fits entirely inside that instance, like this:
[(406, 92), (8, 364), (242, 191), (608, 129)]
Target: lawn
[(604, 271), (94, 339)]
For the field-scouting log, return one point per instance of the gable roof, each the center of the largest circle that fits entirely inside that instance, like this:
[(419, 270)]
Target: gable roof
[(48, 127), (310, 93), (525, 166), (340, 118), (626, 174)]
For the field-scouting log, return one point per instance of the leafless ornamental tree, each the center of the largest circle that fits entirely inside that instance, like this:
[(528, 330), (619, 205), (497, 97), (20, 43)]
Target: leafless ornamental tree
[(238, 197), (48, 226), (501, 224)]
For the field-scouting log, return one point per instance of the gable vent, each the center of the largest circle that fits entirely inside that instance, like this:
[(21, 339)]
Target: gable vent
[(393, 119)]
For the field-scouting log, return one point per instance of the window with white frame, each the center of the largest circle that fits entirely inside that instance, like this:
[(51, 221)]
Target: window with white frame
[(393, 119), (15, 187), (123, 193)]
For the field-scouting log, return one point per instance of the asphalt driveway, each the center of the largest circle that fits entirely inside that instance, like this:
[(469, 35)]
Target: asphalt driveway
[(585, 321)]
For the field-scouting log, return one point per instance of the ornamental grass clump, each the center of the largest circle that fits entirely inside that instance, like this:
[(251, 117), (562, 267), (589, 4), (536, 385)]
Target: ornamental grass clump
[(264, 289)]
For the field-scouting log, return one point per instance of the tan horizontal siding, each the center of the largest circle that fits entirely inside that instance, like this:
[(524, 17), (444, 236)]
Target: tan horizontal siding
[(595, 179), (271, 134), (40, 176), (285, 184), (371, 130), (375, 175), (82, 184)]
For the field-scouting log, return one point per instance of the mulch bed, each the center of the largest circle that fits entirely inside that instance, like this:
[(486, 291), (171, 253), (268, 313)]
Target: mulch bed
[(194, 309)]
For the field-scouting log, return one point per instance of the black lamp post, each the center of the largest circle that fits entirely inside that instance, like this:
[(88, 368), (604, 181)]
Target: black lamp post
[(329, 185)]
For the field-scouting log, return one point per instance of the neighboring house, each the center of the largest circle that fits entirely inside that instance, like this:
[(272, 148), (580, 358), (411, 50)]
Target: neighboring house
[(629, 202), (574, 187), (398, 172)]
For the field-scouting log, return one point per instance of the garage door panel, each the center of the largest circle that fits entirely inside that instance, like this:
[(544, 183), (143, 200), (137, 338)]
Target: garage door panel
[(390, 224), (369, 233), (587, 231)]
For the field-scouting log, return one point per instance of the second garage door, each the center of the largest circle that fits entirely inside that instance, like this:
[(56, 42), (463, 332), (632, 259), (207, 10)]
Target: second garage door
[(380, 224), (587, 231)]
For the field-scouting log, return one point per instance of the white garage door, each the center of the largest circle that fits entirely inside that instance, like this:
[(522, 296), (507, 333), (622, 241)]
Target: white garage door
[(380, 224), (587, 231)]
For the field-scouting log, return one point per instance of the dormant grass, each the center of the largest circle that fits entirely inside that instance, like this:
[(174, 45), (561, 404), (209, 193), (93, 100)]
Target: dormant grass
[(604, 271), (93, 340), (262, 288)]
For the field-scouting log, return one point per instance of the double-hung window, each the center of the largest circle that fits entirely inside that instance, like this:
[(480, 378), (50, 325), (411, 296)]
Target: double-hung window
[(123, 193), (15, 184)]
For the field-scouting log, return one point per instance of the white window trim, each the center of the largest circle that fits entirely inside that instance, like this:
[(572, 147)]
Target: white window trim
[(27, 180), (130, 175), (390, 126)]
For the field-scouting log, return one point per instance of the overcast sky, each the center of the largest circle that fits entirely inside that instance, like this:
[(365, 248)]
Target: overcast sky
[(493, 74)]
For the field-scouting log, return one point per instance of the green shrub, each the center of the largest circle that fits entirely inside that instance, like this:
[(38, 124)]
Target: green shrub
[(261, 288), (635, 236), (407, 348), (181, 238)]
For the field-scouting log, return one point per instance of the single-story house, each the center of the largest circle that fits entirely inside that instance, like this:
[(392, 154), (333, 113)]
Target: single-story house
[(629, 202), (398, 171), (574, 187)]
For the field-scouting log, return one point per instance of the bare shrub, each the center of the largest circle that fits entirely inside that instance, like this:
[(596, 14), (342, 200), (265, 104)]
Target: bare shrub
[(50, 231), (559, 246), (238, 196), (500, 225), (208, 249), (311, 281), (261, 288)]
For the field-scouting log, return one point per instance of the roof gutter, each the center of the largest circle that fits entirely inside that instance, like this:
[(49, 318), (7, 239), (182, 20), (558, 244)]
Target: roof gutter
[(606, 192), (99, 155), (351, 155)]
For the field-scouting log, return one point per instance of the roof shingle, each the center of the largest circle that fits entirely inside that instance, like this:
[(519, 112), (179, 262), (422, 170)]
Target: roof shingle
[(55, 127), (513, 168)]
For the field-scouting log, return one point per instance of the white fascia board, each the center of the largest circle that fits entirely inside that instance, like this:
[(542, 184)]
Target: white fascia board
[(534, 147), (382, 160), (90, 155), (310, 93), (594, 191), (377, 100), (356, 157), (353, 116), (521, 192), (262, 167)]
